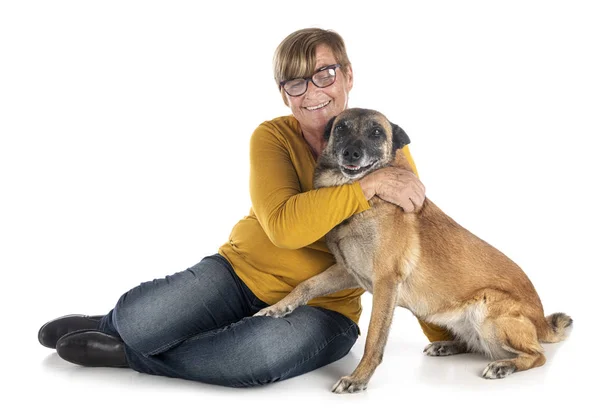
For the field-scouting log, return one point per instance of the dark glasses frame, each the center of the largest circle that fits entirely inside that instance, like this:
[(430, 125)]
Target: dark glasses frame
[(311, 79)]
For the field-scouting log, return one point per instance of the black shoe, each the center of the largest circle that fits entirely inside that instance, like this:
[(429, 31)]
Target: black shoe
[(92, 349), (51, 332)]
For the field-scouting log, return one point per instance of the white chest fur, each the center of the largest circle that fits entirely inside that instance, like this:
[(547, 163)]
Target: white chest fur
[(352, 243)]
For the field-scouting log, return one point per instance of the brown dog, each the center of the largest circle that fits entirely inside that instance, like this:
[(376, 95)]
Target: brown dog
[(422, 261)]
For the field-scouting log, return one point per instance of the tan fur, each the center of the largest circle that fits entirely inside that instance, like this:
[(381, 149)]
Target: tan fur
[(442, 273)]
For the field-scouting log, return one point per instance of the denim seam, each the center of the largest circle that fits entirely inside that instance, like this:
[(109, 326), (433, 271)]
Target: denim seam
[(287, 372), (192, 336), (167, 346)]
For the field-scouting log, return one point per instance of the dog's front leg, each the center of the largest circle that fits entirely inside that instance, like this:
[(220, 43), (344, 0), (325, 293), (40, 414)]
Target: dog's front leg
[(333, 279), (384, 302)]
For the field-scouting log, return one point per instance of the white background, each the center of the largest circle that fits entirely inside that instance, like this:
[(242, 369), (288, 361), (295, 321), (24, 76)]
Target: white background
[(124, 129)]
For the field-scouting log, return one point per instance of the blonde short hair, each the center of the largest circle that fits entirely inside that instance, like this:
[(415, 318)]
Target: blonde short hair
[(295, 55)]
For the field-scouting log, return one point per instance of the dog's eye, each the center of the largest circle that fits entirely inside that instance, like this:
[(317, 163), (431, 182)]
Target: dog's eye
[(340, 128), (376, 132)]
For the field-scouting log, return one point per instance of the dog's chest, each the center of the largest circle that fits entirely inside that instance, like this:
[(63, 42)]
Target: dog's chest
[(353, 243)]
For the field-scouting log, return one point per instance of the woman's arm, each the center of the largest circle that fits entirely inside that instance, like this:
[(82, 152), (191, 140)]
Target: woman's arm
[(294, 219), (291, 218)]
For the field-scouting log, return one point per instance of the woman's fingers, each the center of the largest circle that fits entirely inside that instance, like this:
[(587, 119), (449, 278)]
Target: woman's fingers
[(401, 187)]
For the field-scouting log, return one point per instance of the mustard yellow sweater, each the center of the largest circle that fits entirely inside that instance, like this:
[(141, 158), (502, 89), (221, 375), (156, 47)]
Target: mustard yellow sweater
[(281, 242)]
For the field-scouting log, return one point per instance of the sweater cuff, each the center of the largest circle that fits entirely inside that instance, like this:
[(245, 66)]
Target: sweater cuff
[(363, 203)]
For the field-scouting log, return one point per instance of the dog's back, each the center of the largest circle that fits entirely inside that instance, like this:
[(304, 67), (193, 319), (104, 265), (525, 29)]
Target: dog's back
[(448, 272)]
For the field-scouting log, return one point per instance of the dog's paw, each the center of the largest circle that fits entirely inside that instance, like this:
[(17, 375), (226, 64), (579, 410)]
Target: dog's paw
[(348, 384), (276, 311), (499, 369), (444, 348)]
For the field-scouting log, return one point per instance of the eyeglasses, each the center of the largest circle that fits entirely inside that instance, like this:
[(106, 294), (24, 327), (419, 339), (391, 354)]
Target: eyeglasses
[(324, 77)]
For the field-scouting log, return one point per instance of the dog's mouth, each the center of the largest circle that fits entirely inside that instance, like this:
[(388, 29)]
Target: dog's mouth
[(356, 170)]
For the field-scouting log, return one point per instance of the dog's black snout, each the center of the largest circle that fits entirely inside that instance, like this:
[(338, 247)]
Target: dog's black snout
[(352, 154)]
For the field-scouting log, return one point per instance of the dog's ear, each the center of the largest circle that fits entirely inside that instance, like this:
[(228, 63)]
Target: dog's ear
[(328, 127), (399, 137)]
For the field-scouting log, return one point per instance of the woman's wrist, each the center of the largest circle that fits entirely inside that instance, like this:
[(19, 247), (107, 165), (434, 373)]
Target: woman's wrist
[(367, 184)]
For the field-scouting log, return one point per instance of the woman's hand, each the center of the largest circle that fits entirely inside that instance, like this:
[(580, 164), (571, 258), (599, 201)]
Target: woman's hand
[(395, 185)]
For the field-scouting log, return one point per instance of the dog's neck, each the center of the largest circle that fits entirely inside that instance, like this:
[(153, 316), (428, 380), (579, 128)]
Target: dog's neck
[(401, 161)]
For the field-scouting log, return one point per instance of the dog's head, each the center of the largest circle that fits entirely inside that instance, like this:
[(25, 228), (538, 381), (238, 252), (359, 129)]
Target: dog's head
[(360, 141)]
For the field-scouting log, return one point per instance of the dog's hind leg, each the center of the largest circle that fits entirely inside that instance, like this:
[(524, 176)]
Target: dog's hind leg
[(445, 348), (517, 335)]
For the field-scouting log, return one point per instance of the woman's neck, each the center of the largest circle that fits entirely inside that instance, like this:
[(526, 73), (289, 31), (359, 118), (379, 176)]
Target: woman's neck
[(315, 141)]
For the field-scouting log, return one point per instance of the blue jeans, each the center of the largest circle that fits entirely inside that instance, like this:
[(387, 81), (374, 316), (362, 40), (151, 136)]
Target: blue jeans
[(198, 325)]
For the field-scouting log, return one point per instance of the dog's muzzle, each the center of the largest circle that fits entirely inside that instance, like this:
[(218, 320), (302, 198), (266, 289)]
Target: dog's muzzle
[(352, 155), (353, 161)]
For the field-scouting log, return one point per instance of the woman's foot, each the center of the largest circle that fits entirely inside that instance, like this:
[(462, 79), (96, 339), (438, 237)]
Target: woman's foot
[(52, 331), (92, 349)]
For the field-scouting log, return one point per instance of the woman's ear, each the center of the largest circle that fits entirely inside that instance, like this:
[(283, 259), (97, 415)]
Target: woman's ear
[(349, 77)]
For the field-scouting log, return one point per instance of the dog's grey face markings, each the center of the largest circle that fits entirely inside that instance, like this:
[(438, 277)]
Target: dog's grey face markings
[(357, 144), (370, 132)]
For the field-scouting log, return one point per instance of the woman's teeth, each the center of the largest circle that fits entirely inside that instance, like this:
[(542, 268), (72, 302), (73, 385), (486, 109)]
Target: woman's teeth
[(318, 106)]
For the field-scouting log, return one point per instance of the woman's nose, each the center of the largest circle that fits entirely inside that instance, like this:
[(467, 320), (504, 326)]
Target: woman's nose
[(310, 88)]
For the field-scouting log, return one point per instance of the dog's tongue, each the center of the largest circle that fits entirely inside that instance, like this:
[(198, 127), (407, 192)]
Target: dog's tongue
[(352, 166)]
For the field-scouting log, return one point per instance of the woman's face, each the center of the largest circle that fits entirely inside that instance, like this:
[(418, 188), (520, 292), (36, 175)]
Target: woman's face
[(314, 108)]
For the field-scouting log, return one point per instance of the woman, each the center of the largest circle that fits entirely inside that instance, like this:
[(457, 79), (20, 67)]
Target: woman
[(198, 324)]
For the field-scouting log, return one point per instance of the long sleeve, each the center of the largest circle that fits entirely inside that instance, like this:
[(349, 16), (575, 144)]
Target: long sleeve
[(292, 216)]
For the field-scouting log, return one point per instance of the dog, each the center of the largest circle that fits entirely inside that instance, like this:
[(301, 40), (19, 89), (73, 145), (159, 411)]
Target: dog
[(423, 261)]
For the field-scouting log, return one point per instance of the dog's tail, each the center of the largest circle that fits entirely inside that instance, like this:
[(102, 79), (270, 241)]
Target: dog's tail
[(557, 328)]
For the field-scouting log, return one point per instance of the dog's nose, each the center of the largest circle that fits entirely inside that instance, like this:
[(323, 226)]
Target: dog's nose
[(352, 154)]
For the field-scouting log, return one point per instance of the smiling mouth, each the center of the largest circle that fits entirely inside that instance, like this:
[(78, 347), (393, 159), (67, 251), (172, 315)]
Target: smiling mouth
[(355, 170), (317, 107)]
